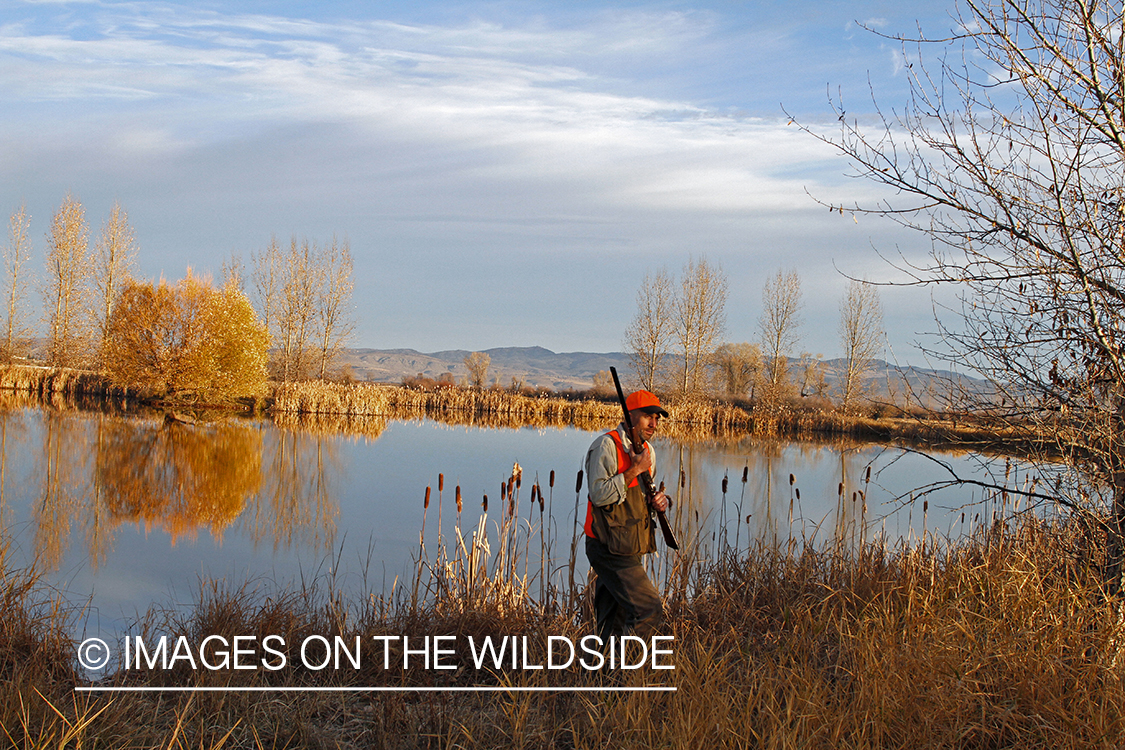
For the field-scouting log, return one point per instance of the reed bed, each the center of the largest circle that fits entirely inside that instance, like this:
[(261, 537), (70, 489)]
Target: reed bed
[(46, 382), (693, 418), (1001, 639)]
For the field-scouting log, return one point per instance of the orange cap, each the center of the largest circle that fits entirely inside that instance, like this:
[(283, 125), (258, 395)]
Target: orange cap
[(645, 401)]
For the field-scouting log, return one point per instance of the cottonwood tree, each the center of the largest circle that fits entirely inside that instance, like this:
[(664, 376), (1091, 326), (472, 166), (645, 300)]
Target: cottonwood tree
[(477, 364), (185, 341), (296, 313), (265, 276), (738, 368), (861, 336), (17, 253), (648, 340), (779, 327), (115, 253), (334, 323), (813, 382), (1009, 155), (67, 289), (700, 319), (304, 294)]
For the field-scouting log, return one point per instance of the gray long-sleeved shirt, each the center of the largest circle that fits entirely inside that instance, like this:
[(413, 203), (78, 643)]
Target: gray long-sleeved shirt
[(607, 487)]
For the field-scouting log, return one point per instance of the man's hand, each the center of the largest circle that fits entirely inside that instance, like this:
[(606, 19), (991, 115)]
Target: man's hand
[(641, 462), (660, 501)]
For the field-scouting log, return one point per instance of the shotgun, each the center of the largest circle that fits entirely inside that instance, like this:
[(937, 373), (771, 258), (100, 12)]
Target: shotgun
[(645, 479)]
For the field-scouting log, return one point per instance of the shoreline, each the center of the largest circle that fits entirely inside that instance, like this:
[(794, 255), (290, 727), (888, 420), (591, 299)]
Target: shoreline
[(327, 404)]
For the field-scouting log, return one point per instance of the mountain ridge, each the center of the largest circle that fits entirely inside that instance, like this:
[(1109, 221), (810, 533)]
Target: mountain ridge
[(537, 366)]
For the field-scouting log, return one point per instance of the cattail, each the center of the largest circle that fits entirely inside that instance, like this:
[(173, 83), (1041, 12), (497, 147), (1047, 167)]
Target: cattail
[(683, 479), (868, 477), (792, 479), (440, 482), (840, 490), (578, 483), (724, 485), (484, 504), (458, 498), (925, 506), (539, 490), (745, 473), (853, 497), (427, 503), (510, 483), (519, 478), (503, 491), (747, 518), (798, 491), (552, 480)]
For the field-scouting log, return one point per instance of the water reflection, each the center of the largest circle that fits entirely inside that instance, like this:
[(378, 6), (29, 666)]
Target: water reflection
[(296, 505), (98, 472), (155, 507), (176, 476)]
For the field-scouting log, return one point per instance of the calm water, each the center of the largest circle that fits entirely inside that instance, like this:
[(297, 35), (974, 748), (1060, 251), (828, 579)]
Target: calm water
[(122, 512)]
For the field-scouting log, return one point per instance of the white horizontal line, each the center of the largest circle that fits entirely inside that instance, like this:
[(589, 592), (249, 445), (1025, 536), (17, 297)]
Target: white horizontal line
[(479, 689)]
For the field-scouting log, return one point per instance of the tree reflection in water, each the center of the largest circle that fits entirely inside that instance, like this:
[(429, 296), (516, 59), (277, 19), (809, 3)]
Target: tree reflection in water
[(175, 476), (101, 471)]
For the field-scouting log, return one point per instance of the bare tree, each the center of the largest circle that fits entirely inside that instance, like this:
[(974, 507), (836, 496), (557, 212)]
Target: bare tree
[(16, 255), (649, 337), (603, 383), (288, 285), (115, 252), (266, 275), (234, 272), (813, 382), (738, 367), (304, 297), (700, 319), (861, 336), (1009, 155), (779, 327), (477, 363), (334, 323), (67, 286)]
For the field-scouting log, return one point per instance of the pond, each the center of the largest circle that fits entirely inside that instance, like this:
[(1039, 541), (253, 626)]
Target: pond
[(125, 512)]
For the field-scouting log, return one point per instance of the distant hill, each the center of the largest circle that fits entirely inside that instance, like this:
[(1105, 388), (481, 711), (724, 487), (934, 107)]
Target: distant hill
[(532, 365), (536, 366)]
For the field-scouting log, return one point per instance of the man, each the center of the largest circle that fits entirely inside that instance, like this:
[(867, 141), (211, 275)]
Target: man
[(619, 524)]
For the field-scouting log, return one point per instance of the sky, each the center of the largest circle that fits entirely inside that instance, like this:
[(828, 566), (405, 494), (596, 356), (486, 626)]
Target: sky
[(505, 173)]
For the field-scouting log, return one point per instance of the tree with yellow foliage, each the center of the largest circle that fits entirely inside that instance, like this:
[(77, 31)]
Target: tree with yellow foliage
[(186, 341)]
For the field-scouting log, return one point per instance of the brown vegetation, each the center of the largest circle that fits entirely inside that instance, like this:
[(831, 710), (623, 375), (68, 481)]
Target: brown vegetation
[(67, 288), (186, 340), (350, 407), (997, 641), (304, 294)]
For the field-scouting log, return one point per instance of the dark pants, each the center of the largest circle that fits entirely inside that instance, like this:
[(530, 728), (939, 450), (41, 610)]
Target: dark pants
[(625, 600)]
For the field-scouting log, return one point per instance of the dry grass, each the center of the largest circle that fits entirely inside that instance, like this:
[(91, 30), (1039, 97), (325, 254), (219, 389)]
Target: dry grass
[(1002, 640), (357, 407), (47, 382)]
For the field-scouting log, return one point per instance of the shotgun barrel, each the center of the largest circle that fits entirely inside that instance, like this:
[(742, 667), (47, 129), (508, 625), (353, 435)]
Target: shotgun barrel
[(645, 479)]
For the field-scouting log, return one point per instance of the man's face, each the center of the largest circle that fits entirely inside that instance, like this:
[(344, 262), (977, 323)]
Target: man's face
[(645, 424)]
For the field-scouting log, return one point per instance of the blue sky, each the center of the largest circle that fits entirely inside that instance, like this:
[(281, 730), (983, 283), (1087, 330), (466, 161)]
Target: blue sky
[(505, 172)]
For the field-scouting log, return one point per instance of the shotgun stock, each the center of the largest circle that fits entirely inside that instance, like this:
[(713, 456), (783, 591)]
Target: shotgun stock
[(645, 479)]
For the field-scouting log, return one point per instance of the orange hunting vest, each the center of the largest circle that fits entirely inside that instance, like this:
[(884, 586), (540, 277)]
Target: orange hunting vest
[(627, 527)]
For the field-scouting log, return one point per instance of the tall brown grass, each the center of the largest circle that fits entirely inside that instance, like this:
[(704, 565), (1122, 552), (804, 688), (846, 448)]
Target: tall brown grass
[(692, 417), (1002, 639)]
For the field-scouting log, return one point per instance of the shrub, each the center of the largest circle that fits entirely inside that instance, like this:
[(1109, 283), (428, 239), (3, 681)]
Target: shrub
[(185, 341)]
